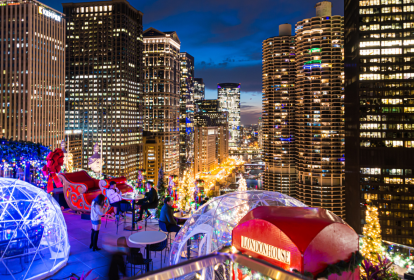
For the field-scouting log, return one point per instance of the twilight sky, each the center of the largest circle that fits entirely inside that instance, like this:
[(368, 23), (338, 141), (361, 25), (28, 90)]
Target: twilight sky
[(225, 37)]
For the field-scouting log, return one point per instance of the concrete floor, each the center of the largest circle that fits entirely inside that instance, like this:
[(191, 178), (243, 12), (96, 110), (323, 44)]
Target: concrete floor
[(82, 259)]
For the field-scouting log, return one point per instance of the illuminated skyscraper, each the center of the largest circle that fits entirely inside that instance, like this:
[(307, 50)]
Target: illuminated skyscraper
[(104, 81), (320, 110), (32, 73), (229, 98), (186, 111), (303, 111), (162, 93), (379, 107), (199, 89), (279, 119)]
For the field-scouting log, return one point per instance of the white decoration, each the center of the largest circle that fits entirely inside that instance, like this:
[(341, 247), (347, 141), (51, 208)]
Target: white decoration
[(95, 161), (33, 234), (216, 219)]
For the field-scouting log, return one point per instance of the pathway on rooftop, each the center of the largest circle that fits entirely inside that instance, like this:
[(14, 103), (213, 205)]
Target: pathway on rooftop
[(82, 259)]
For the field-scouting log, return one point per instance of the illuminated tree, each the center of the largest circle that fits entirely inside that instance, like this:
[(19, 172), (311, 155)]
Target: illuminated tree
[(161, 191), (242, 184), (372, 241), (186, 192)]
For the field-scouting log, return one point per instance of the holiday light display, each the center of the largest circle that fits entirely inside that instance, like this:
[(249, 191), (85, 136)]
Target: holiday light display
[(32, 228), (186, 192), (372, 241), (397, 258), (217, 218), (23, 160), (242, 184)]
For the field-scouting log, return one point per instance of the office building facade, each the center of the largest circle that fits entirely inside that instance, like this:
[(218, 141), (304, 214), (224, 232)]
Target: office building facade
[(199, 89), (208, 114), (74, 145), (104, 81), (229, 98), (186, 111), (162, 93), (32, 73), (279, 118), (379, 106)]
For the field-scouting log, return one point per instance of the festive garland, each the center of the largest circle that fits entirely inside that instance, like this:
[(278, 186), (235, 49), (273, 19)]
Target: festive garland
[(342, 266)]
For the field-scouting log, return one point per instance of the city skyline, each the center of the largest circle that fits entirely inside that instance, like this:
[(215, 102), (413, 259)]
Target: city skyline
[(222, 38)]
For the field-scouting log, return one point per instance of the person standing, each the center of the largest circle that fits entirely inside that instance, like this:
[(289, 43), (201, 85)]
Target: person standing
[(167, 216), (98, 209)]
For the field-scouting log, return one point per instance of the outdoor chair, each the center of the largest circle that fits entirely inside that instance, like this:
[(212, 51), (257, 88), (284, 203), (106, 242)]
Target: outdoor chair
[(163, 228), (135, 258), (159, 247)]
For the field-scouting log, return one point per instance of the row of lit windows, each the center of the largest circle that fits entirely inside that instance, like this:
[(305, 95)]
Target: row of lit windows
[(363, 3), (394, 171), (396, 76), (386, 43), (395, 25), (388, 144)]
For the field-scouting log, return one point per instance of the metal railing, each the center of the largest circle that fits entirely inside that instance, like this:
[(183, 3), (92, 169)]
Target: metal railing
[(211, 260)]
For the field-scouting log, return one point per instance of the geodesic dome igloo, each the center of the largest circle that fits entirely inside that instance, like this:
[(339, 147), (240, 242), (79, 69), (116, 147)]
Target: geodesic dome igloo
[(209, 228), (33, 235)]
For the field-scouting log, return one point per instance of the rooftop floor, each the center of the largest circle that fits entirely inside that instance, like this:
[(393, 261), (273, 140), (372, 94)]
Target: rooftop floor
[(83, 259)]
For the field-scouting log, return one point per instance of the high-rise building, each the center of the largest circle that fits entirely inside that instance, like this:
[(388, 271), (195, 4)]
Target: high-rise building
[(205, 148), (229, 98), (279, 118), (320, 110), (379, 90), (152, 156), (186, 111), (104, 81), (303, 111), (32, 73), (199, 89), (208, 114), (74, 145), (208, 106), (162, 93)]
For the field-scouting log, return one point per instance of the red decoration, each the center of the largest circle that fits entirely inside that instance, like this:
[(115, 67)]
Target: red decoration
[(312, 238), (52, 167)]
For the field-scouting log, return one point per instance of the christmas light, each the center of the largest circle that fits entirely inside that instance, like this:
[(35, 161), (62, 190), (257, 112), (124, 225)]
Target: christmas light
[(372, 241)]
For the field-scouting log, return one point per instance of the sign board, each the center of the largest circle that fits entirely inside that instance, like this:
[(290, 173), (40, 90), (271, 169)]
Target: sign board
[(49, 13)]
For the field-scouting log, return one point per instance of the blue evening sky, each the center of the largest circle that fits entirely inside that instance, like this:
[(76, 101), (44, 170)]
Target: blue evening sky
[(225, 37)]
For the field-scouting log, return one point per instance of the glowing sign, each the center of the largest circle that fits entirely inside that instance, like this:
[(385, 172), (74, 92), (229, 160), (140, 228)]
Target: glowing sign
[(50, 14), (265, 250)]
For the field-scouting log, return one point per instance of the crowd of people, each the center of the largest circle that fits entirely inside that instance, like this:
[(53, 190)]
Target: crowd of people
[(114, 196)]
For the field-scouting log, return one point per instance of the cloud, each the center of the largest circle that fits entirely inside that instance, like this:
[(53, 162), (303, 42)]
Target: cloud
[(224, 36)]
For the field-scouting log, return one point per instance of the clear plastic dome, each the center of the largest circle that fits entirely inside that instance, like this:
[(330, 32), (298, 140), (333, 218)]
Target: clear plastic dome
[(209, 228), (33, 235)]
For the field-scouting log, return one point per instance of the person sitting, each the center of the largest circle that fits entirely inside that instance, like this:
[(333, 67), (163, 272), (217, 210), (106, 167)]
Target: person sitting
[(115, 199), (148, 202), (167, 215)]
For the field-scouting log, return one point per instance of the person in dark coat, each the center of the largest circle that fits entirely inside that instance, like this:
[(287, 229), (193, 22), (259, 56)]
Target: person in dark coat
[(150, 201), (167, 216)]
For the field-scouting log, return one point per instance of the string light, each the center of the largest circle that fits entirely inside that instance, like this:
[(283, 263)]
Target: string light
[(372, 241)]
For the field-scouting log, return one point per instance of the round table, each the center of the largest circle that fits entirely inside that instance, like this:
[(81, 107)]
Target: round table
[(132, 197), (185, 217), (178, 216), (147, 238)]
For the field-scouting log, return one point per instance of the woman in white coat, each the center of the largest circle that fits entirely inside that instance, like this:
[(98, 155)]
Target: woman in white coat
[(97, 211)]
